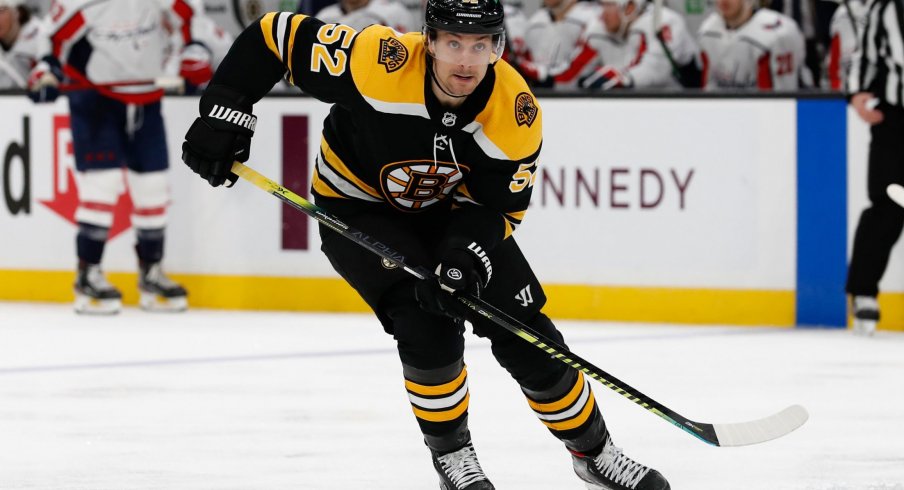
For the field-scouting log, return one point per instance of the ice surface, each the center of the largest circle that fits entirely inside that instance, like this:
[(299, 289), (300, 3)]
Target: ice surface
[(250, 400)]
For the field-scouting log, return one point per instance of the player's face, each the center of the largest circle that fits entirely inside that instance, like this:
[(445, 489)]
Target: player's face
[(612, 17), (730, 9), (8, 17), (352, 5), (461, 60)]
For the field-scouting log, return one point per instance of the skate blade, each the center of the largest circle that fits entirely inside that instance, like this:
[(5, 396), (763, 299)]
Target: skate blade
[(156, 303), (86, 305)]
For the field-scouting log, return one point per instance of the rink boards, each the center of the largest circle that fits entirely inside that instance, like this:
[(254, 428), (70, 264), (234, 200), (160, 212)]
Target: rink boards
[(732, 211)]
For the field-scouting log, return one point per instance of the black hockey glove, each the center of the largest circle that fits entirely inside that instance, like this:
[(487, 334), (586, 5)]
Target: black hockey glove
[(460, 272), (220, 136)]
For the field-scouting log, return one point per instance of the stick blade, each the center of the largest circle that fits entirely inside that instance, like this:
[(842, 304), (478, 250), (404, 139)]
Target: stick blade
[(896, 193), (762, 430)]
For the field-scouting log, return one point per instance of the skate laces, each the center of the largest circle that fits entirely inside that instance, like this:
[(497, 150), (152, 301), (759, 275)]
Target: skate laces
[(155, 276), (613, 464), (462, 467), (95, 278)]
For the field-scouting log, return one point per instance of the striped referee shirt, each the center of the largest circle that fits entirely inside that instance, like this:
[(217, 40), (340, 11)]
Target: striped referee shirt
[(878, 65)]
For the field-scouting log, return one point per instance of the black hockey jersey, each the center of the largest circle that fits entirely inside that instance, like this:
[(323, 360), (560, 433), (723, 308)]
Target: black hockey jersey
[(387, 140)]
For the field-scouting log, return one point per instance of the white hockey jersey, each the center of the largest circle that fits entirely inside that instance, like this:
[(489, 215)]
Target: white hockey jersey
[(766, 53), (552, 43), (641, 55), (234, 16), (389, 13), (845, 41), (515, 27), (17, 62), (104, 42)]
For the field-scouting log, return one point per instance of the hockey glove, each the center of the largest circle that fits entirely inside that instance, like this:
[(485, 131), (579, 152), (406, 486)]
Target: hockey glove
[(44, 80), (194, 66), (459, 272), (606, 78), (220, 136)]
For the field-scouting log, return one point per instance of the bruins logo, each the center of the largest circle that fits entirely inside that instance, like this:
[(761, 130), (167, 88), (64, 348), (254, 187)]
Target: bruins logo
[(525, 109), (416, 184), (393, 54)]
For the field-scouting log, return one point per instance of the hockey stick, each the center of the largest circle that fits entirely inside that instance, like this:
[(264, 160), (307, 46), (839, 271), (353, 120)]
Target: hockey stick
[(896, 193), (176, 84), (736, 434)]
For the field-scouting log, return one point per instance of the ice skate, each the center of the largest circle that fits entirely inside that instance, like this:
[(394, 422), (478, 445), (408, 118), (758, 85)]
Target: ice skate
[(158, 292), (866, 315), (93, 294), (612, 470), (460, 470)]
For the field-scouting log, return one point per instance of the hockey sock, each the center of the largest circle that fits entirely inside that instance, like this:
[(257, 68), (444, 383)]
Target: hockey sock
[(568, 409), (439, 399), (150, 245), (90, 241)]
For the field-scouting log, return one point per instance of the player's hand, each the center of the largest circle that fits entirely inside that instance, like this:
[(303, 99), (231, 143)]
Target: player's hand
[(606, 78), (44, 80), (220, 136), (538, 75), (459, 272), (195, 66), (865, 105)]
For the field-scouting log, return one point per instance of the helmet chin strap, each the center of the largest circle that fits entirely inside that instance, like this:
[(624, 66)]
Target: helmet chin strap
[(438, 83)]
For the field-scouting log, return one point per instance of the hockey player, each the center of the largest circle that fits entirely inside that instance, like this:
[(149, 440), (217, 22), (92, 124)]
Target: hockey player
[(625, 49), (752, 49), (359, 14), (19, 44), (635, 52), (848, 23), (431, 144), (555, 33), (100, 44)]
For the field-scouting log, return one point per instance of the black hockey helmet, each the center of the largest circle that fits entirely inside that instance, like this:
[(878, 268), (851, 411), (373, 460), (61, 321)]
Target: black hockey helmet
[(466, 16)]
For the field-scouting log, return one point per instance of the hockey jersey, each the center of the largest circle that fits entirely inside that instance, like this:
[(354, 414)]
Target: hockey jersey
[(844, 30), (381, 12), (641, 54), (552, 43), (124, 40), (387, 141), (766, 53), (17, 61)]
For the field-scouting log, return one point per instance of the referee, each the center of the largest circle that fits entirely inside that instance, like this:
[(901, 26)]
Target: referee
[(876, 85)]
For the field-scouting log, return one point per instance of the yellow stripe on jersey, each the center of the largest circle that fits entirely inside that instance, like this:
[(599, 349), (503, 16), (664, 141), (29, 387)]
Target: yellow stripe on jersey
[(577, 421), (398, 82), (445, 415), (517, 215), (266, 23), (321, 187), (443, 389), (563, 402), (296, 21), (509, 229), (339, 166), (511, 123)]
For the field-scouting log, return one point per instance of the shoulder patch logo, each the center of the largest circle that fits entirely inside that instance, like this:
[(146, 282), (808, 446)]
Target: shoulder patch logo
[(393, 54), (525, 109)]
